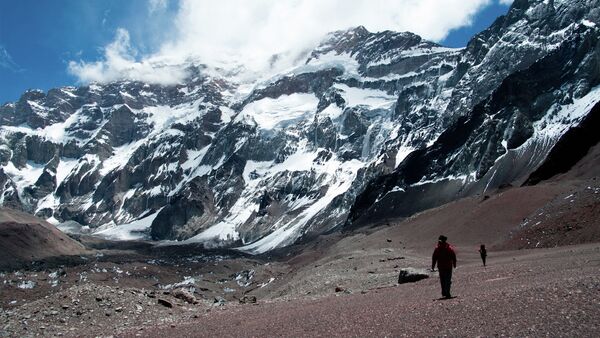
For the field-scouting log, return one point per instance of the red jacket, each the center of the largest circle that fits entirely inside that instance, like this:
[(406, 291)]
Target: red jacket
[(444, 256)]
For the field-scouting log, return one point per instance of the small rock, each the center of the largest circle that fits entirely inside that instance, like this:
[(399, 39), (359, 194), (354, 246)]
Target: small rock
[(119, 309), (65, 307), (98, 298), (185, 295), (165, 303), (248, 300), (219, 301), (339, 289)]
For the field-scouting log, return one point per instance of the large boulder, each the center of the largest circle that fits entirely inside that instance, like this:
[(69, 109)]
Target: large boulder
[(412, 275)]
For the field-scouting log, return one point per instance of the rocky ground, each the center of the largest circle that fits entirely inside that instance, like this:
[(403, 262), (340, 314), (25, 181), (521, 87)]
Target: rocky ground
[(545, 292), (341, 284), (538, 292), (111, 292)]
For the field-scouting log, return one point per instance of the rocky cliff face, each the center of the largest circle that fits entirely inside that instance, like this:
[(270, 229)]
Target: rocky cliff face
[(370, 125)]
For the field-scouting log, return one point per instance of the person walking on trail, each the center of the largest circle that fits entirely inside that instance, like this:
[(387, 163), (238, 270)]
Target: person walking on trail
[(445, 258), (483, 253)]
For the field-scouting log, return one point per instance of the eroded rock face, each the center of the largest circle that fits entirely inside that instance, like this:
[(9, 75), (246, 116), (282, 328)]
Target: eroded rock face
[(370, 125), (123, 127), (186, 215)]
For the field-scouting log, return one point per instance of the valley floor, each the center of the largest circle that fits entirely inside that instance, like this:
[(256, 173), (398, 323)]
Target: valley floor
[(533, 292), (541, 292)]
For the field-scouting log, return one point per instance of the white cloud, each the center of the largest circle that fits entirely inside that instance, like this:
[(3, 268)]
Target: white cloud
[(506, 2), (119, 63), (250, 32), (155, 6), (6, 61)]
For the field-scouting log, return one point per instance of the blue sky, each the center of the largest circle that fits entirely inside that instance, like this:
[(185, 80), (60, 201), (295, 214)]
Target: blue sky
[(38, 38)]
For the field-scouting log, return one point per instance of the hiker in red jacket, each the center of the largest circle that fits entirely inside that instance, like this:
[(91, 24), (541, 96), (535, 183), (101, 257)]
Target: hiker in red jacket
[(445, 258)]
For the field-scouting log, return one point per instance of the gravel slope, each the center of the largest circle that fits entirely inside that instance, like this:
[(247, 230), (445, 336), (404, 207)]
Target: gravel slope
[(544, 292), (24, 238)]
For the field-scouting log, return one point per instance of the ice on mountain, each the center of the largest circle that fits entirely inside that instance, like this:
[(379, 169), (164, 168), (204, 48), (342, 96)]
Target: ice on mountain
[(162, 117), (285, 110), (343, 61), (285, 234), (65, 166), (119, 157), (588, 23), (24, 177), (332, 111), (135, 230), (401, 154), (555, 124), (48, 201), (127, 95), (95, 87), (372, 98), (194, 158), (226, 114), (68, 91)]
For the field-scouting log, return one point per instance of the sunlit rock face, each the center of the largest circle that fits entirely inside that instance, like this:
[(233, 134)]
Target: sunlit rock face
[(368, 126)]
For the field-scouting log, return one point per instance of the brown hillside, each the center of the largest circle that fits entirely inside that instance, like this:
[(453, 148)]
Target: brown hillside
[(25, 238)]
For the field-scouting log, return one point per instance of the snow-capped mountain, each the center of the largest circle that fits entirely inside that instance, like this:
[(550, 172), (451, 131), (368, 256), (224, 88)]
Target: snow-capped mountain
[(368, 125)]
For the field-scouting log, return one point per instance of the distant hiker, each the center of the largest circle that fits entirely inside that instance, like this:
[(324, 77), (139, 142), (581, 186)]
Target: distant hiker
[(445, 257), (483, 253)]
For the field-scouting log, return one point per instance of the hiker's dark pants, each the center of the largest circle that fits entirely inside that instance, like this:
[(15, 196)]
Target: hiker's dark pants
[(446, 281), (483, 259)]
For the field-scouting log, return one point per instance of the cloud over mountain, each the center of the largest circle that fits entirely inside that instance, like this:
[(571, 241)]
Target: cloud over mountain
[(243, 33)]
